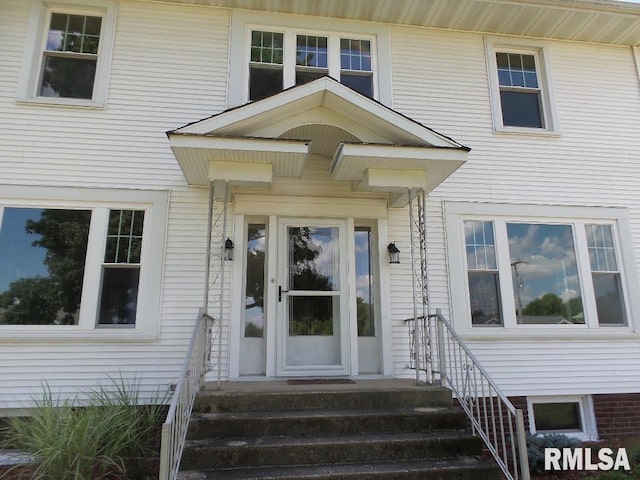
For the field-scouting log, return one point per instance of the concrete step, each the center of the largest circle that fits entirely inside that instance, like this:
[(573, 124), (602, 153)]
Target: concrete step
[(463, 468), (211, 401), (329, 449), (324, 422)]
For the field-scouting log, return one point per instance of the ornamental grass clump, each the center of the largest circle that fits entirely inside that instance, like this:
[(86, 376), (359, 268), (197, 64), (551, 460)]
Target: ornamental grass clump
[(89, 442)]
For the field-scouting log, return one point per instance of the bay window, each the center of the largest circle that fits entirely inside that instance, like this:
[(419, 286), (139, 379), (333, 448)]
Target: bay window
[(528, 272)]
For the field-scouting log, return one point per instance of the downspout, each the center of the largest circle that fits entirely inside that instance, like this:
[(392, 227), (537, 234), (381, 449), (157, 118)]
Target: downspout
[(635, 52)]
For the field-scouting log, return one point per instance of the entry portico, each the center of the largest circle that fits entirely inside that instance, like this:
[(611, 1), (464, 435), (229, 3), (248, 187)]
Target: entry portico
[(309, 175)]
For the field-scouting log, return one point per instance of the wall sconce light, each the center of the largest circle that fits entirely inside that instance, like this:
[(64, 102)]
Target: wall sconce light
[(228, 249), (394, 253)]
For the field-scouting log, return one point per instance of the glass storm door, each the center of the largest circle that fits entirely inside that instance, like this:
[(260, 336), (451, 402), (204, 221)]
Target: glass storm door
[(312, 305)]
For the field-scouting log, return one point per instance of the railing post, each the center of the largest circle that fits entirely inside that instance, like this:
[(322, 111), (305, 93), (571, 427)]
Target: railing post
[(165, 446), (522, 445), (442, 364)]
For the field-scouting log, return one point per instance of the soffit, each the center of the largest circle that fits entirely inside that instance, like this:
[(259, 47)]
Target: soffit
[(600, 21)]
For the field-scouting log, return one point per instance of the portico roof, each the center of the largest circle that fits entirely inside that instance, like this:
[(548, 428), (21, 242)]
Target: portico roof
[(366, 142)]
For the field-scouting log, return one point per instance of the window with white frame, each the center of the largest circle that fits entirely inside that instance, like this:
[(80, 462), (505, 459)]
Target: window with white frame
[(121, 268), (521, 88), (79, 263), (68, 57), (270, 52), (280, 59), (568, 415), (527, 271)]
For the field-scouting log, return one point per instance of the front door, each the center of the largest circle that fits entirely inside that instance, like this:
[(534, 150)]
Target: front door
[(312, 304)]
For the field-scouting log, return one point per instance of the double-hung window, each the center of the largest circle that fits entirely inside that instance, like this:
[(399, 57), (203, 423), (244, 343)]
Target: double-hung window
[(80, 263), (70, 56), (547, 270), (521, 88), (68, 53), (520, 94), (271, 52), (281, 59)]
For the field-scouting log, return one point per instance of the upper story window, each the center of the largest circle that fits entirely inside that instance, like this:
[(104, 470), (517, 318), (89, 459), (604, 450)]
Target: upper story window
[(545, 270), (70, 56), (266, 72), (270, 52), (68, 53), (278, 60), (521, 88), (520, 95)]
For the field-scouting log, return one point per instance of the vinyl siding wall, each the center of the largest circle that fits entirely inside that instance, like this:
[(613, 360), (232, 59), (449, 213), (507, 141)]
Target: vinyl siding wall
[(440, 79), (169, 68)]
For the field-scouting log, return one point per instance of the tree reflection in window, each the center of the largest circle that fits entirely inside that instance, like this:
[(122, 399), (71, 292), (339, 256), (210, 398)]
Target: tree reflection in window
[(313, 267), (545, 274), (42, 258), (313, 258), (364, 282), (70, 57), (254, 292)]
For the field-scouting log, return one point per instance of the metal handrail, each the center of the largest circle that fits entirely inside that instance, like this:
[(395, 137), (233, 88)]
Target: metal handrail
[(174, 429), (493, 417)]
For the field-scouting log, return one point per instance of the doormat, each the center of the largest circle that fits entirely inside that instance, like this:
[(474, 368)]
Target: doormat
[(319, 381)]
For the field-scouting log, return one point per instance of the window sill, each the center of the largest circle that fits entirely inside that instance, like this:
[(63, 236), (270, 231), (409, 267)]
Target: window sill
[(61, 102), (534, 132), (582, 436), (72, 334), (558, 333)]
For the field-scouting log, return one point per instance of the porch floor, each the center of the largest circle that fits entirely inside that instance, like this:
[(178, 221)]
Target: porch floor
[(282, 386)]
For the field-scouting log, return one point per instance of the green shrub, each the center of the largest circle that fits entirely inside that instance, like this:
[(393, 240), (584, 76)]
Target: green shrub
[(537, 443), (71, 442)]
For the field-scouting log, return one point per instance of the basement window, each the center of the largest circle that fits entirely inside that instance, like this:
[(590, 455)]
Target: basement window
[(567, 415)]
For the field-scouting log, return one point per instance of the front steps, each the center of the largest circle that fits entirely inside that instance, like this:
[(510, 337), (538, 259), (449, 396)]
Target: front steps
[(371, 430)]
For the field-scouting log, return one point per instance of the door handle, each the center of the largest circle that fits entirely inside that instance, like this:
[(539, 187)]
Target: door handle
[(280, 292)]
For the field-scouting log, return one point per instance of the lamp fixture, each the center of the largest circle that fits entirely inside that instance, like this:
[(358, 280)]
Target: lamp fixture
[(228, 249), (394, 253)]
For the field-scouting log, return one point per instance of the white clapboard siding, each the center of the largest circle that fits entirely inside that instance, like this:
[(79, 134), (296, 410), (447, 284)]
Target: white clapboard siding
[(440, 79), (168, 69)]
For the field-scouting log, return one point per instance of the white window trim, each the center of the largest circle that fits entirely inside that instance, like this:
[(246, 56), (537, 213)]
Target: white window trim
[(540, 51), (31, 74), (589, 430), (456, 212), (244, 21), (100, 201)]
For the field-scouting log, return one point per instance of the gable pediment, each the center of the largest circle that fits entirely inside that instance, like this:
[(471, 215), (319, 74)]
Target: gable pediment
[(323, 101), (325, 118)]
